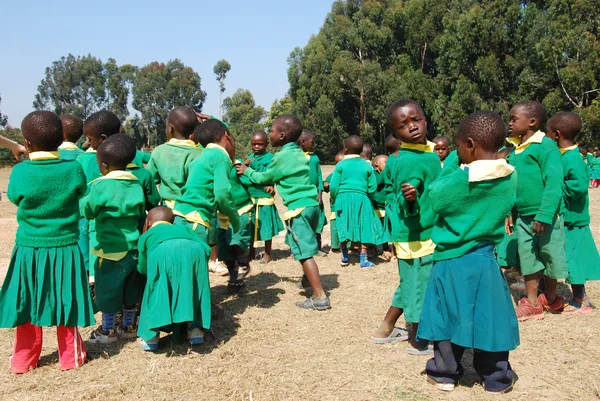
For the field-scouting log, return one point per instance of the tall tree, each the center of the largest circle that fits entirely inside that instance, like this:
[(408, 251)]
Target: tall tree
[(158, 88), (221, 69), (243, 116), (3, 118), (279, 107)]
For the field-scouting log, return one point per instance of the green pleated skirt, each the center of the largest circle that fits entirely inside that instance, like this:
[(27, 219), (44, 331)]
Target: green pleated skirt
[(322, 219), (242, 238), (356, 220), (583, 262), (46, 287), (391, 219), (468, 303), (507, 251), (269, 223), (177, 287)]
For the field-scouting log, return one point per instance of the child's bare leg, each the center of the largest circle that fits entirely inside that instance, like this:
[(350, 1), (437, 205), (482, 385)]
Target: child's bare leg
[(312, 273), (412, 340), (550, 290), (213, 253), (251, 251), (267, 255), (531, 287), (389, 321)]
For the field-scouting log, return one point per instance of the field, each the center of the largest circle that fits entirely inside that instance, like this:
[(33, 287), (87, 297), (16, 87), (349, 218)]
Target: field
[(265, 348)]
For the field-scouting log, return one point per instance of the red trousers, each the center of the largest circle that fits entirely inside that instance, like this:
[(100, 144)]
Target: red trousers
[(28, 348)]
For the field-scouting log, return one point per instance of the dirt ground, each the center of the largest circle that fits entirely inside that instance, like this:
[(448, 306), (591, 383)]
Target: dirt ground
[(266, 348)]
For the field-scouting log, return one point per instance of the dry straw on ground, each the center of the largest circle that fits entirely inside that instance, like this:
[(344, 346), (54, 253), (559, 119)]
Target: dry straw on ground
[(267, 349)]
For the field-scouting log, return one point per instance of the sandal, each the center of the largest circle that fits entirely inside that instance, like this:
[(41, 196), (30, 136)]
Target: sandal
[(578, 306), (397, 334), (425, 351)]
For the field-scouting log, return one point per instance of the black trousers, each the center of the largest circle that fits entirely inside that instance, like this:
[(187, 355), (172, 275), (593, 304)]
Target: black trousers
[(493, 367)]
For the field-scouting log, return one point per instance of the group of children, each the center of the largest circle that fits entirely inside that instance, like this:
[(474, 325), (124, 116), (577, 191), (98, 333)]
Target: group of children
[(146, 251)]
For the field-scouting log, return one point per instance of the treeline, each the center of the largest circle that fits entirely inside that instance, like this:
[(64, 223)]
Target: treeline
[(453, 56)]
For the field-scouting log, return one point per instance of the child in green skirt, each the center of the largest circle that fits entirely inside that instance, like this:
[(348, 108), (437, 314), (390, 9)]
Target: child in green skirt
[(72, 132), (335, 239), (582, 257), (390, 219), (116, 202), (467, 302), (177, 291), (46, 284), (289, 171), (267, 223), (352, 183), (415, 168), (378, 200)]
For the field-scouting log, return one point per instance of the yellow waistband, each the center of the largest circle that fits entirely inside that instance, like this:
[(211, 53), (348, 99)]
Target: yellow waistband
[(414, 249), (193, 217), (332, 216), (290, 214), (115, 257), (263, 201), (380, 213)]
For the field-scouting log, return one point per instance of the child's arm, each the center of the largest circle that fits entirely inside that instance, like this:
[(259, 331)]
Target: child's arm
[(552, 177), (89, 204), (152, 195), (14, 188), (272, 175), (334, 183), (371, 182), (222, 191), (142, 265), (576, 183), (319, 184), (151, 167), (406, 191)]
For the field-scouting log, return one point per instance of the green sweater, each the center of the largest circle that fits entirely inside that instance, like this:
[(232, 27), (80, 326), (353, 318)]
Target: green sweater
[(353, 175), (539, 188), (289, 171), (239, 192), (314, 171), (208, 187), (116, 205), (387, 172), (151, 194), (419, 169), (47, 193), (469, 213), (89, 164), (451, 163), (70, 154), (260, 164), (575, 189), (170, 167), (141, 158), (378, 198)]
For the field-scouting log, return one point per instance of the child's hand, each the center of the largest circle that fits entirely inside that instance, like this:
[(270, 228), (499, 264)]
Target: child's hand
[(540, 228), (409, 192), (508, 226), (247, 162), (240, 168), (202, 117), (270, 190), (325, 186)]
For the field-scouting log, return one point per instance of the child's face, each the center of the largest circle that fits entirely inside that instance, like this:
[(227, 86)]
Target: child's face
[(465, 151), (409, 124), (308, 144), (551, 133), (276, 136), (441, 148), (519, 123), (103, 166), (259, 143), (229, 145)]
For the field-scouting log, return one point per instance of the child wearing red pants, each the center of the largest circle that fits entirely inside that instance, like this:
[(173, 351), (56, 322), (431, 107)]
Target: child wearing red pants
[(46, 283)]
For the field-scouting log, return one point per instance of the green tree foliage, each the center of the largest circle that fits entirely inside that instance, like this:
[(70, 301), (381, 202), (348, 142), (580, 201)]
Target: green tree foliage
[(243, 116), (279, 107), (452, 56), (221, 69), (3, 118), (157, 89), (6, 156)]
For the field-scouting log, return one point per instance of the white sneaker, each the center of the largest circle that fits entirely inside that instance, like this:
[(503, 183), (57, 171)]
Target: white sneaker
[(195, 335), (218, 267), (100, 337)]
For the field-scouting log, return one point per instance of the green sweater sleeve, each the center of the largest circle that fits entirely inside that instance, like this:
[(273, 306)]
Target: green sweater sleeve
[(576, 182), (151, 167), (142, 266), (89, 208), (412, 178), (334, 183), (273, 173), (319, 177), (223, 199), (372, 183), (14, 192), (552, 177)]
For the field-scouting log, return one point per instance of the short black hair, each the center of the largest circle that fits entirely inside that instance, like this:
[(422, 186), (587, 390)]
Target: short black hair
[(210, 131), (391, 144), (400, 103), (568, 123), (117, 150), (306, 133), (366, 149), (103, 122), (535, 110), (160, 213), (72, 127), (261, 133), (43, 129), (291, 125), (485, 128), (354, 144), (184, 120), (441, 138)]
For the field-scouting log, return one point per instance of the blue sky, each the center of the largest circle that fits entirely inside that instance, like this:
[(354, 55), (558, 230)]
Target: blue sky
[(256, 37)]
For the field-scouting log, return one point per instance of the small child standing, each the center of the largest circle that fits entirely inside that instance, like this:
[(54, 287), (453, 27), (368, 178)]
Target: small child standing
[(583, 262), (390, 219), (116, 202), (335, 239), (352, 183), (539, 226), (367, 152), (289, 171), (177, 289), (467, 302), (46, 284), (378, 199), (441, 148), (267, 223), (72, 131)]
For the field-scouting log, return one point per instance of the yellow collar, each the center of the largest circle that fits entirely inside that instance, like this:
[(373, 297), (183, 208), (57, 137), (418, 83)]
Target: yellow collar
[(43, 155), (90, 150), (485, 170), (118, 175), (514, 141), (182, 142), (66, 145), (215, 146), (565, 150), (131, 165), (308, 153), (535, 138), (350, 157), (159, 223), (428, 147)]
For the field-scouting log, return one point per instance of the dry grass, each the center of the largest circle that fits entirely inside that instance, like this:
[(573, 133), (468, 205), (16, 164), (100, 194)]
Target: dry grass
[(266, 348)]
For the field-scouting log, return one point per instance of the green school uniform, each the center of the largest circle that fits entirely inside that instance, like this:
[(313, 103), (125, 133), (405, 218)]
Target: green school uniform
[(352, 183), (335, 239), (89, 164), (151, 194), (170, 167), (69, 151), (141, 158), (267, 222), (87, 230), (177, 289), (315, 176), (391, 207), (583, 262), (46, 283), (378, 198), (289, 171)]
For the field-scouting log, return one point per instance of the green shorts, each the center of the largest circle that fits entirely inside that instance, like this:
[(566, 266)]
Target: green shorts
[(542, 253), (227, 238), (301, 233), (202, 231), (410, 294), (117, 283)]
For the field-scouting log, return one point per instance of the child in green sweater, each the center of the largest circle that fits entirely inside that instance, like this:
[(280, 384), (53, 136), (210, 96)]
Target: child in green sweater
[(72, 131), (583, 262), (379, 198), (415, 168), (289, 171), (116, 202), (267, 222), (467, 302), (539, 226), (441, 148), (390, 219), (352, 183), (177, 291), (170, 162), (46, 284), (335, 239)]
